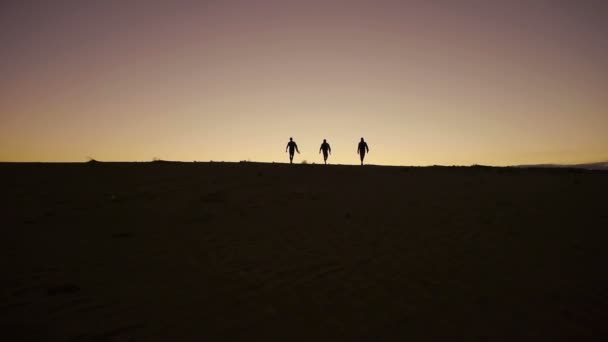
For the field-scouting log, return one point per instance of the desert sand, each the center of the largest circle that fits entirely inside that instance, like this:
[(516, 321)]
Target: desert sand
[(249, 251)]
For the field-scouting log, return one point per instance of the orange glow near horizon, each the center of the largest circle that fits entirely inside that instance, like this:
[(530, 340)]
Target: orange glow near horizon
[(486, 82)]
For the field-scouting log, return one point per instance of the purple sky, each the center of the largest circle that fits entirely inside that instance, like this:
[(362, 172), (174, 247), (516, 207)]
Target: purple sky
[(425, 82)]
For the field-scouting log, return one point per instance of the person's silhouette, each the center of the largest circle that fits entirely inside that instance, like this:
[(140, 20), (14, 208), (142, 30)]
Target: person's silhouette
[(292, 146), (326, 150), (362, 149)]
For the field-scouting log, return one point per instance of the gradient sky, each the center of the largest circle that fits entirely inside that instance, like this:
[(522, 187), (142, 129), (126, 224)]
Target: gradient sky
[(425, 82)]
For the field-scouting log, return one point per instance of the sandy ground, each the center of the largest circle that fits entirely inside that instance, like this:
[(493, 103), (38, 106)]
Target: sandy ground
[(228, 251)]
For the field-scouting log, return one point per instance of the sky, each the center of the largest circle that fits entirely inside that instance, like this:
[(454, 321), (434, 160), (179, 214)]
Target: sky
[(424, 81)]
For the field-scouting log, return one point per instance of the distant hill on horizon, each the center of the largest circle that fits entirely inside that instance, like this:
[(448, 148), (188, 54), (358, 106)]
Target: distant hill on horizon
[(603, 166), (586, 166)]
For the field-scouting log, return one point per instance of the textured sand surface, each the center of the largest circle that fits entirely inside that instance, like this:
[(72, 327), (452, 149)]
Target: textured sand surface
[(224, 251)]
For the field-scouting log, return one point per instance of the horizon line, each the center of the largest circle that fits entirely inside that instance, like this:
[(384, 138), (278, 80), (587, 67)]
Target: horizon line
[(92, 161)]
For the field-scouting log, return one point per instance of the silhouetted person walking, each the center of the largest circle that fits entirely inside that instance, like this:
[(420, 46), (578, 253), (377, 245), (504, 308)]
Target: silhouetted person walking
[(362, 149), (292, 146), (326, 150)]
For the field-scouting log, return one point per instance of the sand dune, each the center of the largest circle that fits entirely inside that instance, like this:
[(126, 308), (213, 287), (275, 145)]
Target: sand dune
[(227, 251)]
